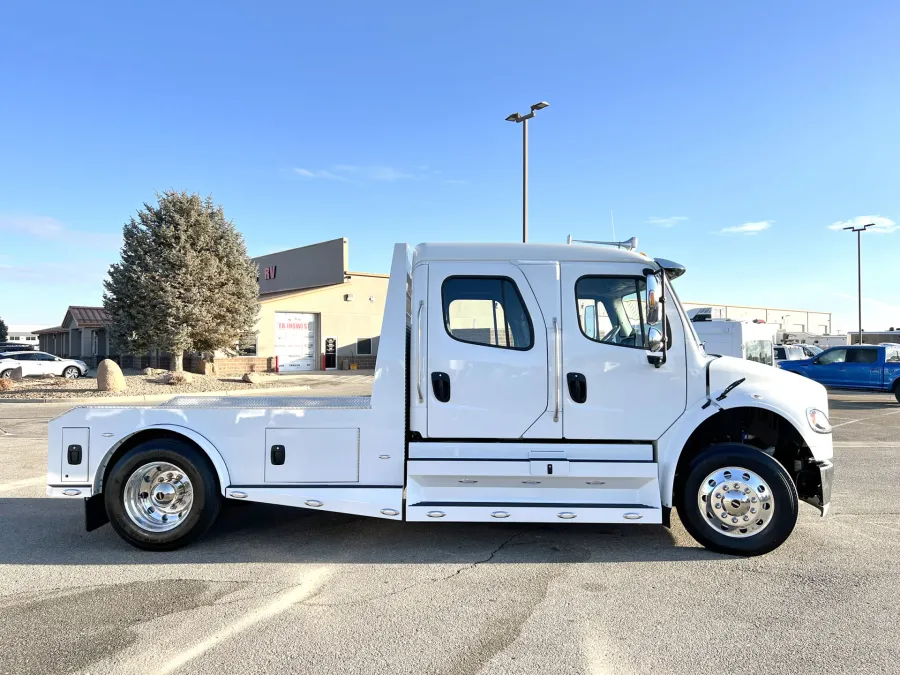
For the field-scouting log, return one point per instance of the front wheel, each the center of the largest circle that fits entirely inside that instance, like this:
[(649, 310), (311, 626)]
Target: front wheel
[(161, 495), (71, 373), (6, 374), (897, 391), (738, 500)]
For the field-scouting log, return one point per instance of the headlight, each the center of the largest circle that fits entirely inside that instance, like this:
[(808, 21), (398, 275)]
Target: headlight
[(818, 421)]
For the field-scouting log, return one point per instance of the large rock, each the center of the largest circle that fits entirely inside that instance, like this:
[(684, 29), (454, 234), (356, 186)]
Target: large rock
[(110, 377), (6, 384), (181, 377), (252, 378)]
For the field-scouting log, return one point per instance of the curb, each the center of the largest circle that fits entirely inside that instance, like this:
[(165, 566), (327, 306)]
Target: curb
[(159, 398)]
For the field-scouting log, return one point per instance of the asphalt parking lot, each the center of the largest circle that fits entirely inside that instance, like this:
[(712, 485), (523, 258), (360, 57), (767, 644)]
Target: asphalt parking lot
[(273, 590)]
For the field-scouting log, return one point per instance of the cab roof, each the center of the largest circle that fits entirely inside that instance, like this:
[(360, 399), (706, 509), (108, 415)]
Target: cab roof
[(522, 252)]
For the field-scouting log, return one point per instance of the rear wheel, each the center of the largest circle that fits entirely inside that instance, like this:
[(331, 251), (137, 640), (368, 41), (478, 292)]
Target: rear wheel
[(5, 375), (897, 391), (736, 499), (161, 495), (71, 373)]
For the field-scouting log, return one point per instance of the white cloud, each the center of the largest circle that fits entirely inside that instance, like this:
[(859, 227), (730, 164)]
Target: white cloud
[(882, 225), (319, 173), (52, 230), (357, 173), (748, 228), (670, 221)]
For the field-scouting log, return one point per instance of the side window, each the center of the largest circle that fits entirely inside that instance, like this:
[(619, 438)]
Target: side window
[(892, 356), (760, 351), (833, 356), (486, 311), (612, 310), (862, 356)]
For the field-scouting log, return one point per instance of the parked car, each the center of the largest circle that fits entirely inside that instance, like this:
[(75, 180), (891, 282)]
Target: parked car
[(41, 363), (871, 368), (810, 350), (16, 347), (788, 353)]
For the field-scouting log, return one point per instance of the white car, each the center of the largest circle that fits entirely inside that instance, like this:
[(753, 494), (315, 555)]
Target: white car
[(41, 363), (789, 353)]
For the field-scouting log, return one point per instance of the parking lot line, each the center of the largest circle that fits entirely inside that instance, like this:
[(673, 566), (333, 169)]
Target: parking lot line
[(308, 586)]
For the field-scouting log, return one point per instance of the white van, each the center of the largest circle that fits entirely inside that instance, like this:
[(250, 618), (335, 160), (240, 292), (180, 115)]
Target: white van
[(741, 339)]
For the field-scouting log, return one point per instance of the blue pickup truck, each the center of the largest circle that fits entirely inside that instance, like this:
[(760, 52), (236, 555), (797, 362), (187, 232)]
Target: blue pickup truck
[(858, 367)]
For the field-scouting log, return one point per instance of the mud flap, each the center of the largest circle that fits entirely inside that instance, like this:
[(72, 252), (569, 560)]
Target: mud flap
[(95, 515), (814, 484)]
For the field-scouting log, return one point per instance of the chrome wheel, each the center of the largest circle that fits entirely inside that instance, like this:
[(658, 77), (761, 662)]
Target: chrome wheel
[(71, 373), (736, 502), (158, 497)]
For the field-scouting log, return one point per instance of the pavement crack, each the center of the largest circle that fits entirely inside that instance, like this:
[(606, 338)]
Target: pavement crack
[(433, 580)]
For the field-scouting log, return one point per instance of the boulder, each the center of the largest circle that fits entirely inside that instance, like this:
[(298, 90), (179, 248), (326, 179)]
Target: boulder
[(16, 374), (110, 377), (6, 384), (148, 371), (252, 378), (181, 377)]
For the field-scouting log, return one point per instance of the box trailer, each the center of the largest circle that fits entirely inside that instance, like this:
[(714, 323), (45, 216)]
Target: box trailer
[(749, 340)]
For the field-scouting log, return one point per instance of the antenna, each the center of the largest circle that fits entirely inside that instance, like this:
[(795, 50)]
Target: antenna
[(612, 220)]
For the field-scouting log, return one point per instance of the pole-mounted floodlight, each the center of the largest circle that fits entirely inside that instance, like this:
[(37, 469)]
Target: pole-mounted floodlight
[(518, 117), (859, 231)]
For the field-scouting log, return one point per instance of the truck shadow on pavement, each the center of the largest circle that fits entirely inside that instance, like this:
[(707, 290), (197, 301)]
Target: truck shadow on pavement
[(51, 532)]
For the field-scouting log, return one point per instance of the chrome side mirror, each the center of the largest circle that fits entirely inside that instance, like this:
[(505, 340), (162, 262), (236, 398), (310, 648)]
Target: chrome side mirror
[(654, 339)]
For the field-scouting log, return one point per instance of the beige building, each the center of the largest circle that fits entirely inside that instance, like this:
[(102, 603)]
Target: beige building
[(315, 314), (788, 320)]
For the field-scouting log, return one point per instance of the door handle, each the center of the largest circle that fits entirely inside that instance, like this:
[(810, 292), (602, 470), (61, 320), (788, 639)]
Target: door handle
[(577, 387), (419, 351), (277, 455), (440, 383)]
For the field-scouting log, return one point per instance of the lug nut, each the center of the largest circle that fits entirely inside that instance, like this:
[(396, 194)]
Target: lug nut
[(753, 500), (734, 520), (718, 495), (719, 505), (149, 509), (745, 518)]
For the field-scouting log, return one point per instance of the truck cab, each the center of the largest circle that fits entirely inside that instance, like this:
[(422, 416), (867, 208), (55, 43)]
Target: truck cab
[(514, 382)]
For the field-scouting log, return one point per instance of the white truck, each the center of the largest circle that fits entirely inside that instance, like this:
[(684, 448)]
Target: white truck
[(514, 383), (741, 339)]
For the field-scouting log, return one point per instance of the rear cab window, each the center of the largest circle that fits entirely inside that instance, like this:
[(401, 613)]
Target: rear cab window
[(487, 311)]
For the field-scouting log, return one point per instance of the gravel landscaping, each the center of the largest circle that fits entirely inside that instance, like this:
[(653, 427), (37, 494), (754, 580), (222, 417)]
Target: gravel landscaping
[(139, 384)]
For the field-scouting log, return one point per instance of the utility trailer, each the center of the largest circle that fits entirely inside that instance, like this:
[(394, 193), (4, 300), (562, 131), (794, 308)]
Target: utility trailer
[(514, 382), (751, 340)]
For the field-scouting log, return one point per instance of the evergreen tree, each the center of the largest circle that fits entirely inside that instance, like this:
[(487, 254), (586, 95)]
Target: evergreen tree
[(185, 282), (4, 331)]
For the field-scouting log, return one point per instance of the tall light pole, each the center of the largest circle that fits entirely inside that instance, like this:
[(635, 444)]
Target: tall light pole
[(518, 117), (859, 231)]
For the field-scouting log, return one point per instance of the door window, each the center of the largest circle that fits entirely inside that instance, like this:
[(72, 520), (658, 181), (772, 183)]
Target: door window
[(892, 356), (612, 310), (486, 311), (862, 356), (832, 356)]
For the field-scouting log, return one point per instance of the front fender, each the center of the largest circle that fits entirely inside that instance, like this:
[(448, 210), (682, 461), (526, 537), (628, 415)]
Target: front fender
[(202, 442), (672, 443)]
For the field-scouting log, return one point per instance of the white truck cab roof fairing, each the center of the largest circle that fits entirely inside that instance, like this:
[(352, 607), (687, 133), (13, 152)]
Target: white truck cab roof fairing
[(525, 252)]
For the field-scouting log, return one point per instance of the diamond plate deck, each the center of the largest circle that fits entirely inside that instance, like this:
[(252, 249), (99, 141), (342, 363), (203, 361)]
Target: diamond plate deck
[(306, 402)]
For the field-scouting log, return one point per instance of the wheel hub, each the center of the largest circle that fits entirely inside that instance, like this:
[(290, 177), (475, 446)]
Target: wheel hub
[(158, 496), (736, 502)]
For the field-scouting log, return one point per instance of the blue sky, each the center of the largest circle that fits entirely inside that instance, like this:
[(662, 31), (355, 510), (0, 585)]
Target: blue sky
[(727, 136)]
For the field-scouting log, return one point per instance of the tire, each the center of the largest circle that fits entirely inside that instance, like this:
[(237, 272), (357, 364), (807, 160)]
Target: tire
[(182, 503), (758, 489), (897, 391), (71, 373), (5, 374)]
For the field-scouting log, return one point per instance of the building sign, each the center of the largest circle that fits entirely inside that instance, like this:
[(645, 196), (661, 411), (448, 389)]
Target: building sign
[(330, 353), (269, 272), (295, 341)]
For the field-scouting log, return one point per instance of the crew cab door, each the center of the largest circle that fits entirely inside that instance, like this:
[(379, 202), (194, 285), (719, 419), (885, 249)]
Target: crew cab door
[(611, 391), (487, 353)]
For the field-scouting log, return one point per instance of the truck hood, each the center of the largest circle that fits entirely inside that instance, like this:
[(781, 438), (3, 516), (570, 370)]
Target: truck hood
[(783, 391)]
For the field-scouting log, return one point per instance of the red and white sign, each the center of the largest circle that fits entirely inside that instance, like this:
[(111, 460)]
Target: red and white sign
[(295, 341)]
